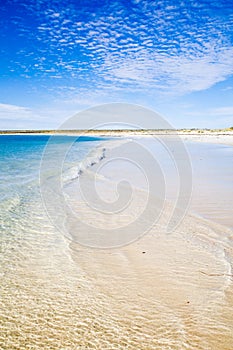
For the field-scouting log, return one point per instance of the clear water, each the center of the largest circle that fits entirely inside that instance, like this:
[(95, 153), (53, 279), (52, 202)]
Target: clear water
[(58, 295), (20, 158)]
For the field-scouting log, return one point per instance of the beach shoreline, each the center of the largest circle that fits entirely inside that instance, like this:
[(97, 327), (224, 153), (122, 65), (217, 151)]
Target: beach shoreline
[(161, 291), (219, 136)]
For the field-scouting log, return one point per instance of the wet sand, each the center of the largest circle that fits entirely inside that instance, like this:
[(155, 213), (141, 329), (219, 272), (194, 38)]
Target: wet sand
[(162, 291)]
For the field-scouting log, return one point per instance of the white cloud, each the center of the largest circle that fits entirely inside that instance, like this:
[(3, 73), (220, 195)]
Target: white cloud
[(151, 47), (18, 117), (14, 117), (11, 109), (14, 113)]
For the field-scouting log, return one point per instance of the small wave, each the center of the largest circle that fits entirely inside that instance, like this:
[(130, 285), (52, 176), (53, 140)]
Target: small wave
[(95, 156), (78, 169)]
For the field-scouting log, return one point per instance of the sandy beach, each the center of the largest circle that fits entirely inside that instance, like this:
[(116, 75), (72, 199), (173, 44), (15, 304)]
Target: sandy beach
[(178, 284), (226, 139), (159, 291)]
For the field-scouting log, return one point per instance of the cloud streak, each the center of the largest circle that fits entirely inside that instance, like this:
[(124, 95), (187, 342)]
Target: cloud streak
[(14, 112)]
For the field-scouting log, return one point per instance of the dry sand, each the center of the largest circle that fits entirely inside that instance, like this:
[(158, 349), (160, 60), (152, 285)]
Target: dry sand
[(226, 139)]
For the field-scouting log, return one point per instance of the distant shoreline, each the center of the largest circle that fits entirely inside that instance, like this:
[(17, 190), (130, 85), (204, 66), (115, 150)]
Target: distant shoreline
[(217, 136), (122, 132)]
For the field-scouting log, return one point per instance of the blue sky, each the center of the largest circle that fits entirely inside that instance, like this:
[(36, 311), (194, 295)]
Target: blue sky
[(60, 57)]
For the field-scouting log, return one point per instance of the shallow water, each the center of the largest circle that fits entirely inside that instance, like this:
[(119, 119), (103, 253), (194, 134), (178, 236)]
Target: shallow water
[(160, 292)]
